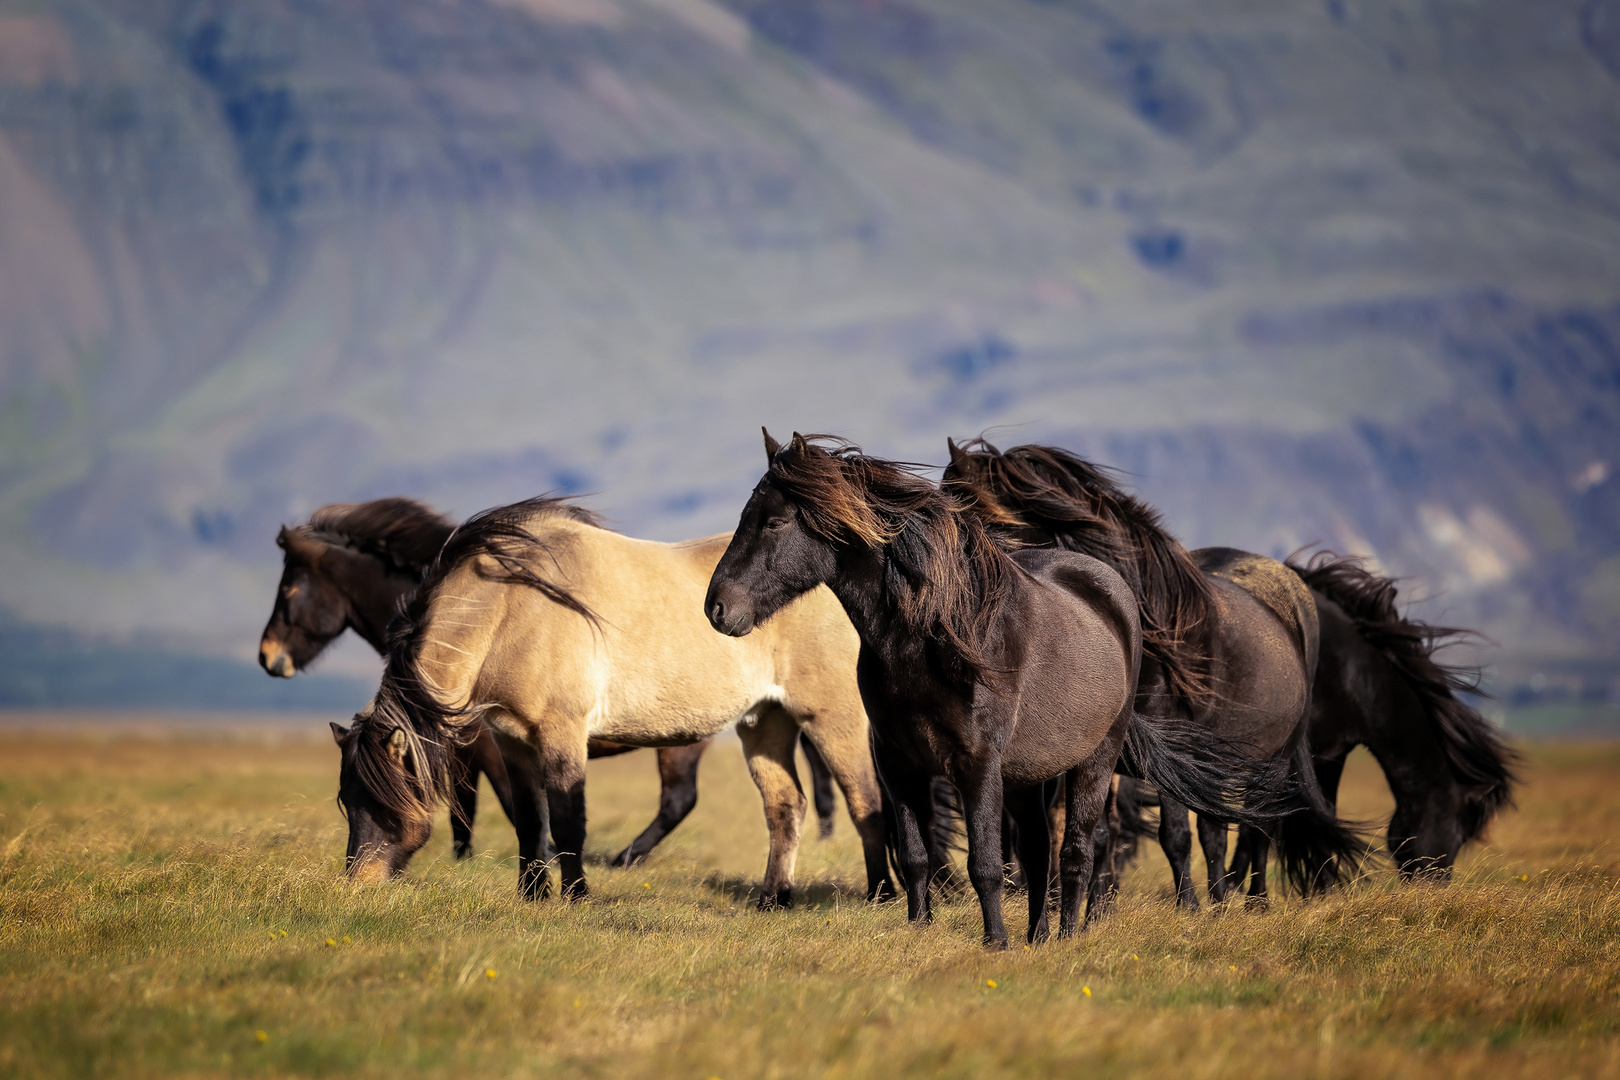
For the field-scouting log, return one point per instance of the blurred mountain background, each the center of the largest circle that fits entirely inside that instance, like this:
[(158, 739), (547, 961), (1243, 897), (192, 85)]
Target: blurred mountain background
[(1342, 272)]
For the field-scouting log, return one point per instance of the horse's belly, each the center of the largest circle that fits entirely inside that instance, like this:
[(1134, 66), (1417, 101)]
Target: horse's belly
[(675, 720)]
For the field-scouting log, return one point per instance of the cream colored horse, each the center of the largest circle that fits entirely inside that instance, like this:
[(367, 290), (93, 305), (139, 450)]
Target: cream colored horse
[(554, 631)]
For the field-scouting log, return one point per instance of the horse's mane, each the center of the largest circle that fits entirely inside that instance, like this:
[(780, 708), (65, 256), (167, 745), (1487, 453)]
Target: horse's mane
[(407, 699), (1472, 745), (401, 533), (1085, 510), (948, 578)]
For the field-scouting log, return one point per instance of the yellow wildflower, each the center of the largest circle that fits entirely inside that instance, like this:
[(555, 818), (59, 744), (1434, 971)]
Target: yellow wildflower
[(1086, 990), (262, 1036), (489, 973), (991, 983)]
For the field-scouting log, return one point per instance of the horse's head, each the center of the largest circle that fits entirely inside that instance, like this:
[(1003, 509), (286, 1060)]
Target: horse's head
[(774, 556), (380, 790), (310, 609)]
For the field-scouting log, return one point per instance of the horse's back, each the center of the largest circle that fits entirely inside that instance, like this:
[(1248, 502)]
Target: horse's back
[(1265, 647)]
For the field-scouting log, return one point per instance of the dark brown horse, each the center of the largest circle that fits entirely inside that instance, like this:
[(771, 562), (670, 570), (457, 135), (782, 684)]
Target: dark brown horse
[(1379, 685), (1230, 642), (350, 567), (1001, 671)]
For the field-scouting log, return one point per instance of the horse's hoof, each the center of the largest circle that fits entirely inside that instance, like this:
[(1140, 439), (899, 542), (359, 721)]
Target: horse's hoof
[(825, 829), (994, 944), (463, 851), (625, 858), (576, 891), (1256, 903), (782, 900)]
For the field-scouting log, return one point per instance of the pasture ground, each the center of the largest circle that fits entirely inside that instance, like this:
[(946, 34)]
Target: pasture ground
[(170, 904)]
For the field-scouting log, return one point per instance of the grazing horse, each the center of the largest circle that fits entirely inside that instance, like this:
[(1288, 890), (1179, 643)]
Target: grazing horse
[(1001, 671), (1230, 642), (1379, 686), (550, 630), (350, 567)]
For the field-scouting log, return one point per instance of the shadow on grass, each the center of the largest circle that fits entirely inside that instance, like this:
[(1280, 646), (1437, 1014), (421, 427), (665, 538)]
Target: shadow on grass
[(815, 896)]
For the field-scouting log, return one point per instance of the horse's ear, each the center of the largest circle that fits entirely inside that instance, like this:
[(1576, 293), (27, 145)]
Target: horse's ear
[(959, 457), (798, 445), (772, 447), (299, 546), (399, 747), (339, 732)]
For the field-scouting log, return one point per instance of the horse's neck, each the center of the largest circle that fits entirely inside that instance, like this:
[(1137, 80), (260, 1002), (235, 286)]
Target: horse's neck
[(374, 594), (862, 585)]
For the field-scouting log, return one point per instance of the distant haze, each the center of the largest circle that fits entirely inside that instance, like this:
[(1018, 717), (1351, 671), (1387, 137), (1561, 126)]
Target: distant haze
[(1342, 272)]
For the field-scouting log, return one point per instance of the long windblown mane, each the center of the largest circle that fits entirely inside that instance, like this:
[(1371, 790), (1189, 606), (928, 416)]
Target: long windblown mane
[(1473, 746), (947, 577), (1085, 510), (401, 533), (424, 775)]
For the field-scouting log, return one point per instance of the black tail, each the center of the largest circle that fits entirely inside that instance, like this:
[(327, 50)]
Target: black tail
[(1479, 758), (1207, 774), (1317, 850)]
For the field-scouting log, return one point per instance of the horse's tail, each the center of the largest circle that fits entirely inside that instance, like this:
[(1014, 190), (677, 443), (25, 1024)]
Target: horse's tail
[(1317, 850), (1209, 775), (1482, 762)]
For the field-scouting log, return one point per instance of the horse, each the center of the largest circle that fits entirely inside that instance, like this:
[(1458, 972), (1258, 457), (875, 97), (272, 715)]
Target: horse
[(1230, 643), (550, 630), (1379, 685), (1001, 671), (349, 567)]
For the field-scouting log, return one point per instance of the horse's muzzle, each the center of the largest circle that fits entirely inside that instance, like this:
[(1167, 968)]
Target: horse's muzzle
[(274, 659), (729, 610)]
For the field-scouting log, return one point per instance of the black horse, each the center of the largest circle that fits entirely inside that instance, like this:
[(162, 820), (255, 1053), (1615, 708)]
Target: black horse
[(350, 567), (1379, 685), (1230, 642), (999, 670)]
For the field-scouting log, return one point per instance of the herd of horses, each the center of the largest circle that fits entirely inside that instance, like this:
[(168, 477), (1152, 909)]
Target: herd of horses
[(1019, 651)]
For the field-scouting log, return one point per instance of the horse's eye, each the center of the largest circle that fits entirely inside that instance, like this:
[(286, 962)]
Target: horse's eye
[(777, 524)]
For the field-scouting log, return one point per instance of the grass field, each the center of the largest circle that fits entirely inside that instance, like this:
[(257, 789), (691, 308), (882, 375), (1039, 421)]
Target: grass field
[(170, 903)]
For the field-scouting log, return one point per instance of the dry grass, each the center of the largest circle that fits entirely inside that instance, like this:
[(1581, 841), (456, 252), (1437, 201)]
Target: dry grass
[(166, 898)]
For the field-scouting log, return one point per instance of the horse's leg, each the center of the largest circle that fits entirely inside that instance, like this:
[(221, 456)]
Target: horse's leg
[(1057, 812), (1212, 838), (677, 794), (563, 768), (844, 748), (1012, 868), (1175, 836), (821, 787), (911, 802), (980, 785), (1256, 848), (1104, 884), (530, 816), (1028, 809), (1087, 789), (464, 804), (482, 755), (768, 744)]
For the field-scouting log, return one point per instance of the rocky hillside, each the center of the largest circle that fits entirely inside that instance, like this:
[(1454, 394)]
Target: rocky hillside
[(1344, 272)]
